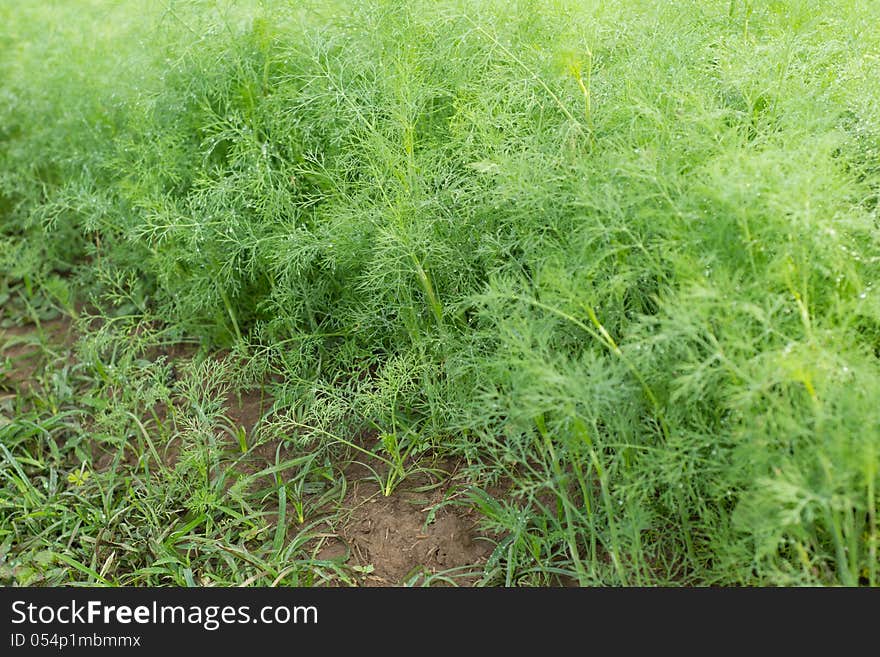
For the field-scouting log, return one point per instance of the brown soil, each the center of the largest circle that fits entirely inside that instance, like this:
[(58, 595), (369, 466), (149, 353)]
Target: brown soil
[(20, 349), (412, 534), (245, 409), (417, 532)]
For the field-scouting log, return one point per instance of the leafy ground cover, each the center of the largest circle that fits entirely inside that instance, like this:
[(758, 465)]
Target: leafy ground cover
[(456, 292)]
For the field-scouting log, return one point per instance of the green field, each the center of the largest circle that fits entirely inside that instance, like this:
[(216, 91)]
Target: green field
[(455, 292)]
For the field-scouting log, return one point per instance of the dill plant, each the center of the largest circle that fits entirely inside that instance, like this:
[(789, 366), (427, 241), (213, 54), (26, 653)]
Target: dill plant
[(619, 256)]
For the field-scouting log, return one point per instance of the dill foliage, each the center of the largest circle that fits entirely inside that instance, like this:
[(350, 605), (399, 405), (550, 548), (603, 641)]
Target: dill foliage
[(620, 256)]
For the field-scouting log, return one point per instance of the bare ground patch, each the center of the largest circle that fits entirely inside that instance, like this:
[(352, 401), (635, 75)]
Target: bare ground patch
[(419, 533), (21, 350)]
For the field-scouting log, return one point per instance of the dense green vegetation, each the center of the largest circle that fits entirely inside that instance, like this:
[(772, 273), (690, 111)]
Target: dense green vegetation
[(618, 256)]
